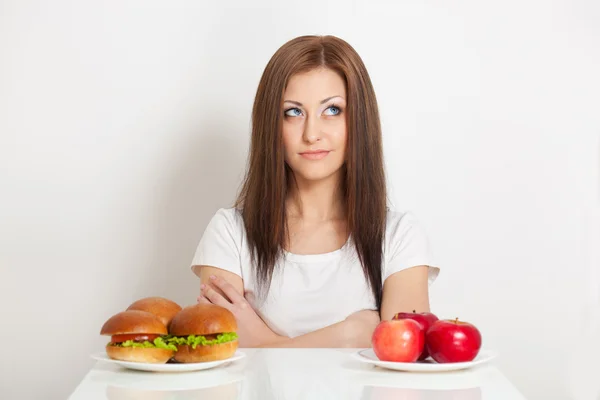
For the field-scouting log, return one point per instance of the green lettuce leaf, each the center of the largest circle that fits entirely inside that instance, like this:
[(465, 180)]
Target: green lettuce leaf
[(161, 344), (194, 341), (158, 343)]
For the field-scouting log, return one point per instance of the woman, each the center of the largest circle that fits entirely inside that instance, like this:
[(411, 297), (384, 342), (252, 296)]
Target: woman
[(310, 255)]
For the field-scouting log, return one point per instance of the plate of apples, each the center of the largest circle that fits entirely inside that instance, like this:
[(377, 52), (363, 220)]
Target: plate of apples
[(421, 342)]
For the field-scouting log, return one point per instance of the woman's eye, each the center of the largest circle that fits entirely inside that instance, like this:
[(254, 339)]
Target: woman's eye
[(333, 110), (293, 112)]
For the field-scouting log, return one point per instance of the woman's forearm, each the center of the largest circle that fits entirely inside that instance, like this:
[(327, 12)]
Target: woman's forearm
[(330, 336), (354, 332)]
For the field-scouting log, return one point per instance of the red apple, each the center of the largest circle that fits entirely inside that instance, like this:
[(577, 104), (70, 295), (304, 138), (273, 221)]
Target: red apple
[(426, 319), (450, 341), (398, 340)]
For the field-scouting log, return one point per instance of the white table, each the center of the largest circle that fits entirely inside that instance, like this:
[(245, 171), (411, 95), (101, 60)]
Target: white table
[(318, 374)]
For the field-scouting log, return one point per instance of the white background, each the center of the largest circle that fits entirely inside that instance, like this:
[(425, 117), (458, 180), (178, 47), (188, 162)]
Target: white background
[(124, 126)]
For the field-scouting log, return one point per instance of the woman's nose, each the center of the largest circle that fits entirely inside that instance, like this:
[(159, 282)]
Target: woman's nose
[(312, 131)]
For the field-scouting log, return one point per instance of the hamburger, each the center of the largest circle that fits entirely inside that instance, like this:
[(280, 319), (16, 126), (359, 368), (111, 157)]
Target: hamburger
[(164, 309), (203, 332), (137, 336)]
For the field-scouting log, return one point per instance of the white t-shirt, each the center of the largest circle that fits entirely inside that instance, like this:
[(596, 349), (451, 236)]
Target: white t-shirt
[(310, 292)]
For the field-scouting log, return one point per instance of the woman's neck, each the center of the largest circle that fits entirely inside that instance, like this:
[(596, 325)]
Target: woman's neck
[(316, 200)]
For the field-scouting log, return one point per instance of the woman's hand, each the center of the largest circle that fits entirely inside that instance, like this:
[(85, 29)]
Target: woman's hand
[(360, 326), (252, 330)]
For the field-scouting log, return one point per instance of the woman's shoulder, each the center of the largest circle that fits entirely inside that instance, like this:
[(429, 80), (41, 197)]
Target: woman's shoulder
[(229, 213), (228, 217), (403, 228), (398, 219)]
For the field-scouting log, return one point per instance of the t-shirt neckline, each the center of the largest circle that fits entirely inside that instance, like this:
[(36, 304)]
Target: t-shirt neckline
[(312, 258)]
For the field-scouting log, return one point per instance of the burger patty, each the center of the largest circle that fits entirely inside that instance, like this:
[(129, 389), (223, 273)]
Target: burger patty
[(134, 337), (207, 337)]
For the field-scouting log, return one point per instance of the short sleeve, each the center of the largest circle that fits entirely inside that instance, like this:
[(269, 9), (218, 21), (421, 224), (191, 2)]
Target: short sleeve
[(221, 243), (407, 245)]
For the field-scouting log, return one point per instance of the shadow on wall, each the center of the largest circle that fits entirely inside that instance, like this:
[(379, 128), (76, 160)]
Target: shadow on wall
[(205, 177)]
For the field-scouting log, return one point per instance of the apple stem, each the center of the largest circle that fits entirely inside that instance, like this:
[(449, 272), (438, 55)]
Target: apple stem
[(456, 320), (414, 311)]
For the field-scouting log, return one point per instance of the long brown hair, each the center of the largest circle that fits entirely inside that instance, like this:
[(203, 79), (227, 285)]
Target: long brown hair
[(262, 198)]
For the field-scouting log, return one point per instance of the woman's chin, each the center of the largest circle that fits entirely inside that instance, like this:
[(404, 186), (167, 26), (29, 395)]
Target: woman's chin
[(315, 176)]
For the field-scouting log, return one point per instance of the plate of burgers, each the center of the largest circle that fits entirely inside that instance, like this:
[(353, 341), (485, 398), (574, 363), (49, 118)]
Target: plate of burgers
[(156, 334)]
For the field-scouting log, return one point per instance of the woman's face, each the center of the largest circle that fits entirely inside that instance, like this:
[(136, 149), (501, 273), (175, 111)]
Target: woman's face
[(314, 124)]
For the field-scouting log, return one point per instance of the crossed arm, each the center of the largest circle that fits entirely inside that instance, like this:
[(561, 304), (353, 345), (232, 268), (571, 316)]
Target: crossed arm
[(405, 290)]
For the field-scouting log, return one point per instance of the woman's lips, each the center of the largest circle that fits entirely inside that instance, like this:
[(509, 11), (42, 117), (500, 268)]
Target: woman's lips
[(315, 155)]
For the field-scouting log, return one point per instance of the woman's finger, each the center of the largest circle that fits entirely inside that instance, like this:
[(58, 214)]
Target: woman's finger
[(203, 299), (227, 288), (214, 297)]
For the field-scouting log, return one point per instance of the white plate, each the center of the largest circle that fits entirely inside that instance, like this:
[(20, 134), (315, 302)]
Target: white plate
[(175, 367), (429, 365)]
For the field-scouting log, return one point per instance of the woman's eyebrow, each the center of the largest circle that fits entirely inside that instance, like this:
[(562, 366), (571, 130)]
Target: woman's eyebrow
[(322, 101)]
